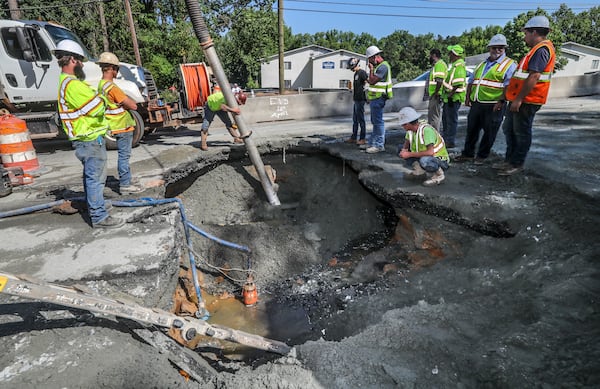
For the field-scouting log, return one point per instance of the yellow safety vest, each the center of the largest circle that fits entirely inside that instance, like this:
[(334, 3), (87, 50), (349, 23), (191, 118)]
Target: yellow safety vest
[(457, 76), (417, 141), (489, 87), (119, 119), (80, 109), (381, 87)]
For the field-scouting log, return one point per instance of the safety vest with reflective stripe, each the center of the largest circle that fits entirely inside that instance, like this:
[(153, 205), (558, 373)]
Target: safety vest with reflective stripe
[(457, 76), (417, 141), (438, 70), (488, 87), (119, 119), (539, 94), (381, 87), (80, 109)]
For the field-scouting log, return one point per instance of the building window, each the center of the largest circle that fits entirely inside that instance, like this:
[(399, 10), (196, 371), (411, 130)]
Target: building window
[(287, 84), (345, 84), (595, 64), (344, 64), (287, 65)]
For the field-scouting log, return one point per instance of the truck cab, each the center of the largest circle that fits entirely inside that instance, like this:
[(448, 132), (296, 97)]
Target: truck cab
[(29, 75)]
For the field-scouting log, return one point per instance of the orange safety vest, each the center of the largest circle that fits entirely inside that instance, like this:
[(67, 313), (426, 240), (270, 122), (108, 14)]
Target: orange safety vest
[(539, 94)]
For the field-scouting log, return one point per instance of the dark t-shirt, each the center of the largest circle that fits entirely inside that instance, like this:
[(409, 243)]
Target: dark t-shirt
[(539, 60), (359, 81)]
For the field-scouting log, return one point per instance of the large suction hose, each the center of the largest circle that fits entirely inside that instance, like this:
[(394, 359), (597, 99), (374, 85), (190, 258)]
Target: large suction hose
[(213, 60)]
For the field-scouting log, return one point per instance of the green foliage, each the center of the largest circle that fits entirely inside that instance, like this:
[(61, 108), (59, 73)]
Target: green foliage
[(246, 30)]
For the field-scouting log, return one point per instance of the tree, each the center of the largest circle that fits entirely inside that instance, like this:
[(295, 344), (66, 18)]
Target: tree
[(240, 50)]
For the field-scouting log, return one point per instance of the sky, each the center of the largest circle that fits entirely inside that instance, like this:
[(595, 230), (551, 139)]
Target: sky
[(382, 17)]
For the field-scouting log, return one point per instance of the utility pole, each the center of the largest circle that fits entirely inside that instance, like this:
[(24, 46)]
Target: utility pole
[(136, 49), (281, 64), (15, 11), (103, 25)]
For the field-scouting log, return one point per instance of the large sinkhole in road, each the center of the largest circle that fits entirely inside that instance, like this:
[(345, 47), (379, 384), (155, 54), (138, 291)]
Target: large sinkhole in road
[(327, 222)]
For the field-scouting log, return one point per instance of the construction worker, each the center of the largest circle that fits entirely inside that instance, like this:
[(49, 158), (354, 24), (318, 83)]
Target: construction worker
[(527, 92), (453, 94), (120, 120), (486, 97), (423, 148), (81, 111), (215, 105), (359, 97), (434, 87), (380, 90)]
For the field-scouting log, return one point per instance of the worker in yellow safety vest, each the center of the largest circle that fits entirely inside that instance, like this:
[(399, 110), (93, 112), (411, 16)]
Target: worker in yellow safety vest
[(120, 120), (454, 92), (423, 148), (486, 97), (527, 92), (434, 87), (216, 105), (81, 111), (380, 90)]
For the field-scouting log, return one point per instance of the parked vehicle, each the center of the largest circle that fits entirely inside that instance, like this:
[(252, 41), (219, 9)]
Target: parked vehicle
[(29, 76), (410, 93)]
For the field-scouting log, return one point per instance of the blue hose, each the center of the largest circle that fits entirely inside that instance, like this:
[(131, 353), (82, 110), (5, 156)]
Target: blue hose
[(26, 210), (148, 201)]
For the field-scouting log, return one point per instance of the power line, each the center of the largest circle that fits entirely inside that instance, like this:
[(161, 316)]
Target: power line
[(468, 4), (525, 8), (71, 4), (393, 15)]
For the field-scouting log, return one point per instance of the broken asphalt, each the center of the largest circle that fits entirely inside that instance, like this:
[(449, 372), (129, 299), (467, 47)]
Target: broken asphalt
[(564, 150)]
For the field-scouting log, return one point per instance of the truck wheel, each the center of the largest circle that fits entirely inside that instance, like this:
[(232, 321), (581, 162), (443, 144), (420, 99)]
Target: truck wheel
[(138, 133)]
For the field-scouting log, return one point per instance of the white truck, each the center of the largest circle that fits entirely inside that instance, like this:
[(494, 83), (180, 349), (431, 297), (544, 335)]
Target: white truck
[(29, 76)]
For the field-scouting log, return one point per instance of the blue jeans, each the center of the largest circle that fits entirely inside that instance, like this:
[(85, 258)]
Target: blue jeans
[(358, 119), (210, 115), (482, 116), (450, 121), (429, 164), (378, 134), (518, 131), (92, 155), (124, 140)]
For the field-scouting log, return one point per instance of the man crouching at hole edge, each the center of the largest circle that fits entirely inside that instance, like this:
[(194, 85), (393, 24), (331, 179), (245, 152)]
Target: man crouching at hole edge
[(424, 149)]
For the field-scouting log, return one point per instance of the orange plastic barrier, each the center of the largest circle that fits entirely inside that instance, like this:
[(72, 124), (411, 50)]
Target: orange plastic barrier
[(16, 148), (196, 84)]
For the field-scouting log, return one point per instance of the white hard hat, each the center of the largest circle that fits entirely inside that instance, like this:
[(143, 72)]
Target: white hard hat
[(69, 47), (108, 58), (538, 21), (407, 115), (498, 40), (372, 50)]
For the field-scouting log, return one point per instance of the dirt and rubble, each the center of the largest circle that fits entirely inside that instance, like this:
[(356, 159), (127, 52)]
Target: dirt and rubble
[(376, 281)]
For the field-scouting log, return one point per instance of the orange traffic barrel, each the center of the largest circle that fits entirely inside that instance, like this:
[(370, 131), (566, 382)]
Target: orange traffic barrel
[(16, 148)]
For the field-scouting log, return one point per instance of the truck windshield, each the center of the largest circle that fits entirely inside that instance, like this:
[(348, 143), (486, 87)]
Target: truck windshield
[(59, 33)]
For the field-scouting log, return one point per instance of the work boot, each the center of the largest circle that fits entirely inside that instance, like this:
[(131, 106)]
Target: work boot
[(109, 222), (417, 172), (235, 134), (350, 140), (203, 137), (361, 142), (436, 179)]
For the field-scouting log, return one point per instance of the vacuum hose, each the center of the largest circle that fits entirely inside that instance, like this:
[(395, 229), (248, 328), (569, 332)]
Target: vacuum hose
[(213, 60)]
